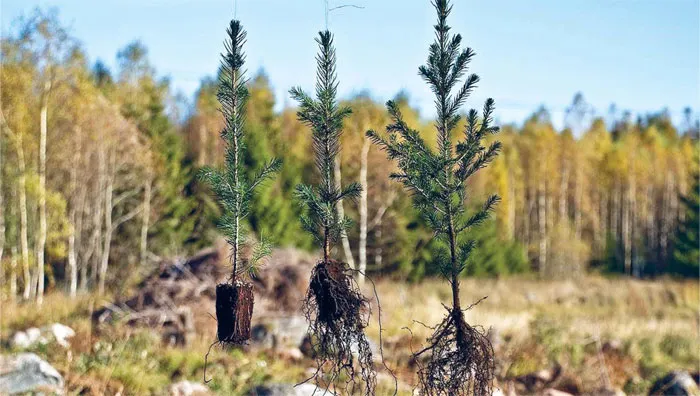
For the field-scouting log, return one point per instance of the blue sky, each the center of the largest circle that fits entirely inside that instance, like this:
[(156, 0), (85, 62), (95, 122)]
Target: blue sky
[(642, 55)]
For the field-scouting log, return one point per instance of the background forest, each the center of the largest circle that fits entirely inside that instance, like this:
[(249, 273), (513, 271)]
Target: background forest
[(98, 179), (109, 244)]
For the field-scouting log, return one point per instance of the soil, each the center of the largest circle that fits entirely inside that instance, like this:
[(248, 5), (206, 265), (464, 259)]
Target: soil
[(234, 310)]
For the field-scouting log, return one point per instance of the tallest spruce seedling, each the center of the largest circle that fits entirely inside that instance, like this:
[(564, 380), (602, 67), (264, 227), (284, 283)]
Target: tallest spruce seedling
[(234, 300), (459, 357)]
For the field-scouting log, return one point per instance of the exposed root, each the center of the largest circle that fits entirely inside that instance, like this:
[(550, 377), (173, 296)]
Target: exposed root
[(460, 359), (338, 314)]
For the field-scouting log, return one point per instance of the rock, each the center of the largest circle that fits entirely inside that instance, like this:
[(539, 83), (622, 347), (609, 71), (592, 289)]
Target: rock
[(497, 392), (287, 390), (188, 388), (261, 336), (677, 383), (279, 332), (33, 336), (306, 347), (28, 338), (20, 340), (61, 333), (291, 354), (495, 337), (373, 347), (28, 373), (554, 392), (531, 297), (540, 379)]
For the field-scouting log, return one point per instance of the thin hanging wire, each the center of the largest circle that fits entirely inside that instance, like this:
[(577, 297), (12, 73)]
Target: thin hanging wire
[(328, 9)]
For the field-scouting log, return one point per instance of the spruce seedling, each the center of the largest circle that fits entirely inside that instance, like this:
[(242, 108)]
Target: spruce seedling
[(459, 357), (234, 300), (336, 310)]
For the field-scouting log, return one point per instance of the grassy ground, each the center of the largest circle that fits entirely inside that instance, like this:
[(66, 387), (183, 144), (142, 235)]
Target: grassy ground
[(601, 331)]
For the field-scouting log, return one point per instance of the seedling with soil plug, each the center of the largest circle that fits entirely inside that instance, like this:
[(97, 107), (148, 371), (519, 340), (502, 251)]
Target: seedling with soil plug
[(234, 300), (459, 358)]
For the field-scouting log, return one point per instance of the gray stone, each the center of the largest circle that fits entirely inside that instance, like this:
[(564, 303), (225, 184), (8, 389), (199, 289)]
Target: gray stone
[(188, 388), (677, 383), (61, 333), (279, 332), (288, 390), (27, 372), (28, 338), (34, 336)]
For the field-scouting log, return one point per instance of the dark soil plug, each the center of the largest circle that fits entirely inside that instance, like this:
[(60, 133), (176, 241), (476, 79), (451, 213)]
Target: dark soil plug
[(234, 309)]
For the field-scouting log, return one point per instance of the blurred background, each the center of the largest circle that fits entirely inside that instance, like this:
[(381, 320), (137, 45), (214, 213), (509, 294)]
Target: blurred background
[(591, 260)]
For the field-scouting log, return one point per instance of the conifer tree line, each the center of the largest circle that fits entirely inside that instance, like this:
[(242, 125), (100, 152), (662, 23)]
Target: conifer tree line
[(93, 163)]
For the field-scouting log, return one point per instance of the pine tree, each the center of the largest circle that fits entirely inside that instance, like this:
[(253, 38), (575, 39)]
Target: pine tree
[(461, 358), (686, 255), (234, 191), (334, 306)]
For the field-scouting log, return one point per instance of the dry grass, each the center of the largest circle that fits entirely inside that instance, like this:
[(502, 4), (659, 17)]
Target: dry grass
[(652, 326), (646, 326)]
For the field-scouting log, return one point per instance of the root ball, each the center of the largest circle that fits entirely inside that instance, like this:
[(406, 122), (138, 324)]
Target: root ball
[(338, 315), (234, 310)]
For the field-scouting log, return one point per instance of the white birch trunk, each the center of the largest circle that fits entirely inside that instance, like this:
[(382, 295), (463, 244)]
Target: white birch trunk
[(2, 209), (72, 212), (362, 249), (511, 206), (626, 240), (24, 240), (104, 261), (337, 175), (563, 192), (542, 222), (203, 146), (145, 219), (13, 273), (41, 242)]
